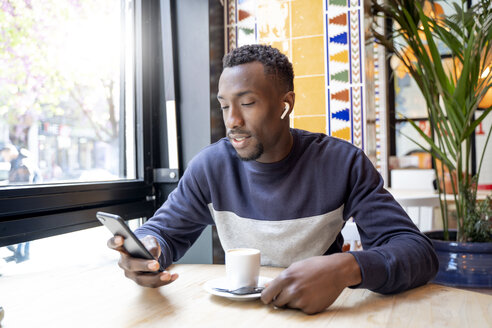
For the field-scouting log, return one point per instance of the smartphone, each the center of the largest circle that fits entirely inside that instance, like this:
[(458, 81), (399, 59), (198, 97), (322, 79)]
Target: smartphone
[(132, 244)]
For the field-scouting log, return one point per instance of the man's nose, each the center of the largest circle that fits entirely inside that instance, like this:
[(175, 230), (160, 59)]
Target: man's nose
[(233, 117)]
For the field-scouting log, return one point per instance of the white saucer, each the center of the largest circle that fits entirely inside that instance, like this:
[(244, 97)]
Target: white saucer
[(222, 283)]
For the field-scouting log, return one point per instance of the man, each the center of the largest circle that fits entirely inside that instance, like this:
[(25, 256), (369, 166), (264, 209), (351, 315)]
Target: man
[(22, 171), (288, 193)]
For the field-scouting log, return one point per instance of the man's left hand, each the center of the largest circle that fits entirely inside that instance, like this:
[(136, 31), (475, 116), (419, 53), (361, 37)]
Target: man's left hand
[(313, 284)]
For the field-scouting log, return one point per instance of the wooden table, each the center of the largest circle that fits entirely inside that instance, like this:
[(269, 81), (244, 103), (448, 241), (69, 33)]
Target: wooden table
[(103, 297)]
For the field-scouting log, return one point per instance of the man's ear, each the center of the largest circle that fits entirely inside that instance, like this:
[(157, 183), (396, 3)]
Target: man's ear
[(288, 103)]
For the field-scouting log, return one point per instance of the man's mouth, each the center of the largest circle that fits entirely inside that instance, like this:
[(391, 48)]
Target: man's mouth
[(238, 139)]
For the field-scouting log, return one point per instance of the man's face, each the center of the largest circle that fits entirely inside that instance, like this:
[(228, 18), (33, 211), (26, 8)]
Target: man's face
[(251, 107)]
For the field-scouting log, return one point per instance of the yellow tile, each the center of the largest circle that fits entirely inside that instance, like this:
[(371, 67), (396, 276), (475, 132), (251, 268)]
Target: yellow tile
[(342, 134), (307, 17), (310, 96), (313, 124), (283, 46), (273, 20), (307, 55)]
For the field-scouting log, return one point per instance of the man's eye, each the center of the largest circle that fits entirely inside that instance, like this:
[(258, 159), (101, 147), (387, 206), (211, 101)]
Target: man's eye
[(224, 107), (249, 104)]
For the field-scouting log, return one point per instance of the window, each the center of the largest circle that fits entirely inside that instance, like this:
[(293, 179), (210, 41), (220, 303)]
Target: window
[(406, 102), (409, 102), (61, 90), (76, 114)]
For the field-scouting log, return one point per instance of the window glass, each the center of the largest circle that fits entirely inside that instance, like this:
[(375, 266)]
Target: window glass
[(409, 101), (406, 133), (65, 79)]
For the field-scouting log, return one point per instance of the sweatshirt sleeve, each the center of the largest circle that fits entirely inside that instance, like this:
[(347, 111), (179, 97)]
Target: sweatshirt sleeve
[(396, 256), (178, 223)]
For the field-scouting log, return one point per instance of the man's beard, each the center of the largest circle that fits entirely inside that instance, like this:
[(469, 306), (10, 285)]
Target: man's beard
[(258, 151)]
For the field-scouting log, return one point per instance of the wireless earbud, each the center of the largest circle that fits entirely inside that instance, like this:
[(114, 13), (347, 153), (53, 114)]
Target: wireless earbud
[(287, 107)]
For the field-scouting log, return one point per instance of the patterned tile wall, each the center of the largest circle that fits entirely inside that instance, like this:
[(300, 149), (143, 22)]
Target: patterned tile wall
[(322, 38), (375, 104), (344, 73), (379, 91)]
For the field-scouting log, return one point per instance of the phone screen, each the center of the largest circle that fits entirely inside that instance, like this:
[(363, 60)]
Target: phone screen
[(118, 227)]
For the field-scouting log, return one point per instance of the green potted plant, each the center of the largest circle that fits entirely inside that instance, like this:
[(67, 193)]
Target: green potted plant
[(452, 93)]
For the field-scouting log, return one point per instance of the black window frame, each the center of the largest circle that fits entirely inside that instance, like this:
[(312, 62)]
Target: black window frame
[(36, 211)]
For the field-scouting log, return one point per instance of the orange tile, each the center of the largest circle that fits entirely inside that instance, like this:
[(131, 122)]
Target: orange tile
[(273, 20), (313, 124), (308, 56), (307, 17), (310, 96)]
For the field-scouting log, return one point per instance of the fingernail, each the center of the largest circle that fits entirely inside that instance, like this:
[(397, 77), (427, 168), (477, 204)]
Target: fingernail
[(153, 265), (165, 276)]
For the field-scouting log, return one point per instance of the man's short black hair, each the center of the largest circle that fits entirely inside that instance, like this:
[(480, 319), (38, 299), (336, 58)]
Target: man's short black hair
[(275, 63)]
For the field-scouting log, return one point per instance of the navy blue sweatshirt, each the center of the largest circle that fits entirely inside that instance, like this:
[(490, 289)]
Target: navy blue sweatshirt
[(294, 209)]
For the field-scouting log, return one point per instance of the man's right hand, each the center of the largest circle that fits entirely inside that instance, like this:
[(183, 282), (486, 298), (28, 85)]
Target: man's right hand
[(142, 271)]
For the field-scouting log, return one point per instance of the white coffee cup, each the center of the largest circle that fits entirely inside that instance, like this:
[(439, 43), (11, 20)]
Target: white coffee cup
[(242, 267)]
